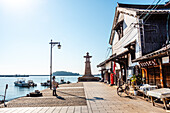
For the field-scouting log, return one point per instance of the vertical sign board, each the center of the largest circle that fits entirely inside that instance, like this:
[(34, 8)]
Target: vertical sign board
[(165, 60)]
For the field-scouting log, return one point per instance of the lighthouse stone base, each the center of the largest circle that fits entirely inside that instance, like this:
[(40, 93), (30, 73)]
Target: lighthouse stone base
[(88, 78)]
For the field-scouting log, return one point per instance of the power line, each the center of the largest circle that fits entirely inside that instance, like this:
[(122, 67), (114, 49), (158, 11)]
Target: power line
[(154, 7), (152, 12), (109, 48), (147, 8)]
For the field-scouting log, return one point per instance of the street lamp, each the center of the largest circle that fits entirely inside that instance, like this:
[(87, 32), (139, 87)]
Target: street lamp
[(52, 45)]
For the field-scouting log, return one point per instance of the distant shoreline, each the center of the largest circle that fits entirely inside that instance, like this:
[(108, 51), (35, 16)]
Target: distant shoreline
[(37, 75), (32, 75)]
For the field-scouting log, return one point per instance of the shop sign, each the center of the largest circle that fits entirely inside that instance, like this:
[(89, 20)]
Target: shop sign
[(165, 60), (148, 63)]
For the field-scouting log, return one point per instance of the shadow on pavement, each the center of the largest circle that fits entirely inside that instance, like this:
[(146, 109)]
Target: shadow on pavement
[(59, 97), (71, 95), (95, 98), (130, 97)]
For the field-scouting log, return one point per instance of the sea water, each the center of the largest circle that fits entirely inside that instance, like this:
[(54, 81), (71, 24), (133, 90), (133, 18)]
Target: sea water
[(15, 91)]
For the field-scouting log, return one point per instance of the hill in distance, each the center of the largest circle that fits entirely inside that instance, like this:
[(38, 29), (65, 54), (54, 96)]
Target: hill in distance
[(65, 73)]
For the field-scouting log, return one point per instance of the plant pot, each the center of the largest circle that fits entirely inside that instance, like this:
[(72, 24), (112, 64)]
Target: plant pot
[(135, 92)]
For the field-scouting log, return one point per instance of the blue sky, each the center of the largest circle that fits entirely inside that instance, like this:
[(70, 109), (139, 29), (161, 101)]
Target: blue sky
[(27, 26)]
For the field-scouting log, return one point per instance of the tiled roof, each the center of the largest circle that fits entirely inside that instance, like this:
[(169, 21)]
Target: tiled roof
[(155, 11), (140, 6)]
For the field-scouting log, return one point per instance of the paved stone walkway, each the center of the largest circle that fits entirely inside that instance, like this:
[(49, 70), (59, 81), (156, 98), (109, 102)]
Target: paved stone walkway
[(68, 95), (100, 99)]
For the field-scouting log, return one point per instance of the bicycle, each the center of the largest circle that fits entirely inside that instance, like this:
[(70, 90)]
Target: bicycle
[(123, 88)]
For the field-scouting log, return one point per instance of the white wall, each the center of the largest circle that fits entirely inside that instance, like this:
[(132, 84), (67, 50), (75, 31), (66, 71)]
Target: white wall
[(108, 65), (130, 34)]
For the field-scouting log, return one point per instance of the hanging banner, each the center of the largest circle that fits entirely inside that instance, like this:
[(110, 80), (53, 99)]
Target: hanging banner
[(114, 66)]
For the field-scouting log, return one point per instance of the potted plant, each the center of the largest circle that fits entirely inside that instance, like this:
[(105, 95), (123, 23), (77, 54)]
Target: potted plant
[(135, 80)]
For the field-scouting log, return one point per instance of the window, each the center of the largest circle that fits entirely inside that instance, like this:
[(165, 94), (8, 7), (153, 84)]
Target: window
[(119, 29), (132, 51)]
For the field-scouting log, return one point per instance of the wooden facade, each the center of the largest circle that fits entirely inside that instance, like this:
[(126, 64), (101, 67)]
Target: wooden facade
[(134, 36), (155, 33), (156, 67), (157, 75)]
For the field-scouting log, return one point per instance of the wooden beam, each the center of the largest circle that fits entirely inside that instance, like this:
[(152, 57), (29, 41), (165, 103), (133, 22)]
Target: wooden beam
[(161, 75)]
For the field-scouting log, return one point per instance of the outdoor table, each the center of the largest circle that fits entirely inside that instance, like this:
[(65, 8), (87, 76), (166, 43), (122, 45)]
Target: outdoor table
[(162, 93), (146, 87)]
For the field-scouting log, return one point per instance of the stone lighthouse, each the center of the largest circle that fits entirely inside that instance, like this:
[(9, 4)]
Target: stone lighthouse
[(87, 74), (87, 66)]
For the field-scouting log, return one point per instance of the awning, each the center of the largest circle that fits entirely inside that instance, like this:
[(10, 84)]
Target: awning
[(159, 53), (113, 57)]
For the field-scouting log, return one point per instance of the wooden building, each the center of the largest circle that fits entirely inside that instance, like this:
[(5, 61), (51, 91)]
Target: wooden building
[(156, 67), (137, 30)]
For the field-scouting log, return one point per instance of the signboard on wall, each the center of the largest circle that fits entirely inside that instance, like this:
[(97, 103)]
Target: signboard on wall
[(148, 63), (165, 60)]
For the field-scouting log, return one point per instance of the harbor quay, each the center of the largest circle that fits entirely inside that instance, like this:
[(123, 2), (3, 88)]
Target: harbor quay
[(82, 97)]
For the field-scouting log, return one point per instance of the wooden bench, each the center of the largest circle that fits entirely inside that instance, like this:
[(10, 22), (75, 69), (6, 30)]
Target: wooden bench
[(162, 93)]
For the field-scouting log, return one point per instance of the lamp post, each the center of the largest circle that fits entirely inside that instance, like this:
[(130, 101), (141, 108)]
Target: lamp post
[(52, 45)]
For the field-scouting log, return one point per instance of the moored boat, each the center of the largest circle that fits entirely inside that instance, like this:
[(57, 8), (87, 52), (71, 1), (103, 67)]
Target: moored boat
[(62, 81), (21, 83), (31, 83), (46, 83)]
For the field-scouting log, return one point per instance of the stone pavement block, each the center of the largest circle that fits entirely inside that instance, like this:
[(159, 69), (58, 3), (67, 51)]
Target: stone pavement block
[(78, 109), (84, 109), (96, 111), (94, 108), (99, 105), (23, 110), (37, 109), (70, 109), (142, 111), (103, 111), (4, 110), (56, 110), (118, 111), (50, 110), (109, 110), (30, 110), (93, 105), (63, 110), (43, 110), (15, 111), (12, 110)]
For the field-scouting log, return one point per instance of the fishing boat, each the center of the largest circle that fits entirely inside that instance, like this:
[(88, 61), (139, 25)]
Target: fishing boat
[(62, 81), (46, 83), (21, 83), (31, 83)]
